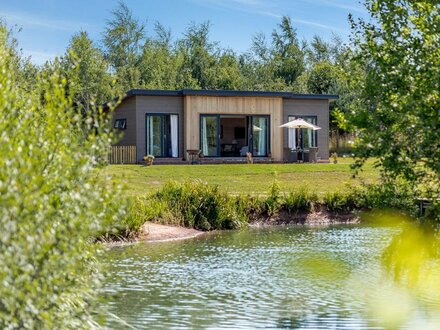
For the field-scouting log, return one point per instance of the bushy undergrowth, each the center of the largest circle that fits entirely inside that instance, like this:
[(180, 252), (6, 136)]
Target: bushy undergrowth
[(386, 195), (190, 204), (300, 200), (51, 201), (202, 206)]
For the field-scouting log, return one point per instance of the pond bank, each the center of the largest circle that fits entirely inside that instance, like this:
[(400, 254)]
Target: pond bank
[(317, 218), (155, 232)]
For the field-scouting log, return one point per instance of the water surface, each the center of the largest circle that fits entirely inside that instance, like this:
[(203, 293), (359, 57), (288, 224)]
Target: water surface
[(287, 277)]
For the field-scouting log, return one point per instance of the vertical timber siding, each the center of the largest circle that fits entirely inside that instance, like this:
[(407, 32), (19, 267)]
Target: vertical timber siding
[(319, 108), (156, 104), (197, 105), (122, 155)]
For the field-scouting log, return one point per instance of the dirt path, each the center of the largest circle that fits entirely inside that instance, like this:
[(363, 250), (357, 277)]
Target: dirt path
[(153, 232)]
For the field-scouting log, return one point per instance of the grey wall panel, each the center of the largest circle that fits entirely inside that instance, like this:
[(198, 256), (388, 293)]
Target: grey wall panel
[(319, 108), (156, 104), (127, 110)]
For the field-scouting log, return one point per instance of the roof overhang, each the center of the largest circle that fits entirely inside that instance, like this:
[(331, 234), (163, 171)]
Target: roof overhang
[(205, 92)]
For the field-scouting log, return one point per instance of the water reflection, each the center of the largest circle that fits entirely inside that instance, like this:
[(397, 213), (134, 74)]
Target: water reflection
[(246, 279)]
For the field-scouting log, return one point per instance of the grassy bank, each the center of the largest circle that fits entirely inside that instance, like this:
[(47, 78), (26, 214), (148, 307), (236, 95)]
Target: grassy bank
[(241, 178), (203, 206)]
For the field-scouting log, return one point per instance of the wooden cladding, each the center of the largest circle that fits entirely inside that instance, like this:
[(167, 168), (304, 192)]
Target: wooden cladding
[(194, 106), (122, 155)]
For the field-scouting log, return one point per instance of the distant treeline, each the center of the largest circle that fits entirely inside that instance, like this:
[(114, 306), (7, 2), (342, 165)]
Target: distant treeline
[(128, 57)]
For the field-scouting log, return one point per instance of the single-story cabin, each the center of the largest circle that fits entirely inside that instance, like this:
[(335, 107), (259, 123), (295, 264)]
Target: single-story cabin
[(223, 125)]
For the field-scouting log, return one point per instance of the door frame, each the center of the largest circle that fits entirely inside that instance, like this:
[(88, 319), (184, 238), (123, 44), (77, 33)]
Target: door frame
[(217, 134), (249, 121), (162, 115), (299, 131), (251, 135)]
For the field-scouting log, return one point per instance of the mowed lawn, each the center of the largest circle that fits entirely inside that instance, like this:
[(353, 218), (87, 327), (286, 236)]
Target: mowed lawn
[(243, 178)]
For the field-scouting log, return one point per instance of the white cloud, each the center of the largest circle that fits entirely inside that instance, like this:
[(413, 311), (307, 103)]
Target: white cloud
[(264, 8), (23, 19), (318, 25), (336, 4)]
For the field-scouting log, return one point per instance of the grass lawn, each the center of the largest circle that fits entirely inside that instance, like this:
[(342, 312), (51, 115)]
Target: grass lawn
[(243, 178)]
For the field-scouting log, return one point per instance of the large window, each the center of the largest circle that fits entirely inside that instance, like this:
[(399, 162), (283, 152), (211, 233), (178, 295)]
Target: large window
[(162, 135), (302, 137), (234, 135), (260, 136), (209, 135)]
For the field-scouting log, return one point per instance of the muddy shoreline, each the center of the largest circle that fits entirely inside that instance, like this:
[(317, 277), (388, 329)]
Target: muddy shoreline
[(155, 232), (318, 218)]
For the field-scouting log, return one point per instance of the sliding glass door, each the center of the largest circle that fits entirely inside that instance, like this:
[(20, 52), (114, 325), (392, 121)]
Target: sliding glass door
[(209, 135), (162, 135), (216, 135), (260, 136)]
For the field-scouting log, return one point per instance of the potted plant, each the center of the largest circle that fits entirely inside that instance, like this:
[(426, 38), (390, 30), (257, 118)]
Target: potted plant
[(249, 158), (149, 159)]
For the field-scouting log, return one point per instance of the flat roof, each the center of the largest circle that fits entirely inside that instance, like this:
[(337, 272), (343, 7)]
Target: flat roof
[(205, 92)]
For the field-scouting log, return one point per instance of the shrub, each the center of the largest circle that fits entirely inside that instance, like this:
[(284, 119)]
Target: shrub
[(300, 200), (250, 206), (387, 195), (201, 206), (335, 201), (274, 201), (51, 201), (146, 208)]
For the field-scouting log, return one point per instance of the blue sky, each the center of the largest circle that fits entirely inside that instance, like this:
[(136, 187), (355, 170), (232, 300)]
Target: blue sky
[(47, 25)]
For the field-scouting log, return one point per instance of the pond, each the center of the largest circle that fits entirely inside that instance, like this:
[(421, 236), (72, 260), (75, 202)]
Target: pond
[(285, 277)]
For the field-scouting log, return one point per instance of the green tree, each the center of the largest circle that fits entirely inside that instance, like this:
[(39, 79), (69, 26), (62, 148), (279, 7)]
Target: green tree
[(87, 73), (123, 38), (227, 72), (200, 54), (259, 67), (398, 113), (163, 63), (318, 51), (288, 53), (275, 66), (322, 78), (51, 201)]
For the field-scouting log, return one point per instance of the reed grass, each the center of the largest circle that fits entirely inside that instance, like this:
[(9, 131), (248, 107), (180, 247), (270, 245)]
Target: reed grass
[(196, 204)]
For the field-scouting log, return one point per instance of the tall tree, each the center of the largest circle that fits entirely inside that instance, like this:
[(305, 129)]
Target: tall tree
[(322, 78), (288, 53), (158, 63), (319, 50), (123, 38), (200, 54), (87, 73), (227, 73), (398, 114)]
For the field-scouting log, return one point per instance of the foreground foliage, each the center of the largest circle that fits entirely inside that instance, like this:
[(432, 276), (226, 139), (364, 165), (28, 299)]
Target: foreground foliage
[(397, 115), (51, 201)]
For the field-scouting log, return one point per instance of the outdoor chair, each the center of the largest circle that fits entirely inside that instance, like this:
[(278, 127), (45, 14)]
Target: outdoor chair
[(290, 155), (243, 151), (312, 155)]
